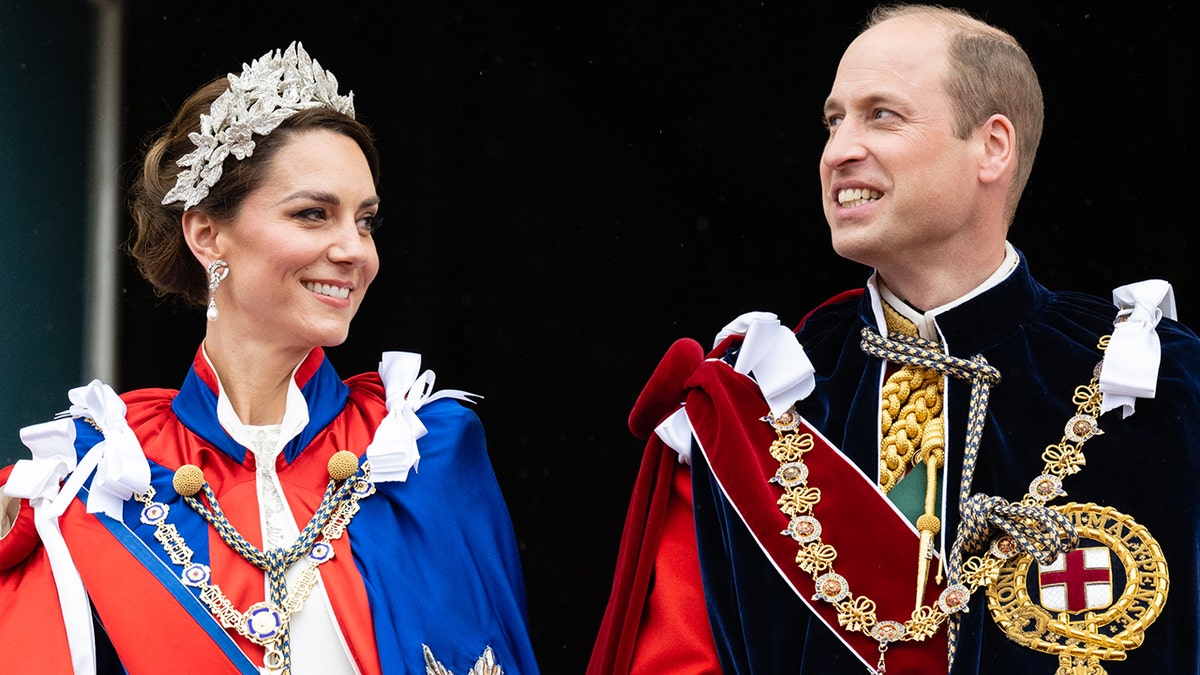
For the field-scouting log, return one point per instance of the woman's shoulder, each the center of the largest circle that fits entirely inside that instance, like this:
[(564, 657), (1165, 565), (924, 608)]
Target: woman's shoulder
[(151, 399), (449, 407), (148, 409), (368, 386)]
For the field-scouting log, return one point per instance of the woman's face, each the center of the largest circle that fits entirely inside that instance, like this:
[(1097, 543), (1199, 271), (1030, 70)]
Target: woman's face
[(300, 250)]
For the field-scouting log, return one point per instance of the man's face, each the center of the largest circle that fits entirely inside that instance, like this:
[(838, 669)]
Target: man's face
[(895, 180)]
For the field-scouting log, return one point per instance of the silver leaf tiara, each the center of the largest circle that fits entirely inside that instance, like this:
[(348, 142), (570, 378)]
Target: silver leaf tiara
[(269, 90)]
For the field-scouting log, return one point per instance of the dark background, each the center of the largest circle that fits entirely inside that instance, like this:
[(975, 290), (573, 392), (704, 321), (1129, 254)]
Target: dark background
[(568, 187)]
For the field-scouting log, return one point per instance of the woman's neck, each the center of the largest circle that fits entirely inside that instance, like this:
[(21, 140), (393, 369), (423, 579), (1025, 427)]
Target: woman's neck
[(254, 376)]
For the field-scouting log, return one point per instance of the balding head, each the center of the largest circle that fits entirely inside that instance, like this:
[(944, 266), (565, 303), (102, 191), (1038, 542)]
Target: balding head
[(989, 74)]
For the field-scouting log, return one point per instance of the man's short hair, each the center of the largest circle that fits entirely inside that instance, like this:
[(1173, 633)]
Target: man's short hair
[(990, 73)]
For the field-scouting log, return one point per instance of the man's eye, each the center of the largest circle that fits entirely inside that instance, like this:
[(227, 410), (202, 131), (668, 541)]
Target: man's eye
[(832, 121), (882, 113)]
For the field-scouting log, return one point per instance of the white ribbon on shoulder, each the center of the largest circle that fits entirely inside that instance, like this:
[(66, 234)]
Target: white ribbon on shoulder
[(120, 469), (393, 450), (1130, 369), (770, 352), (120, 463), (44, 475)]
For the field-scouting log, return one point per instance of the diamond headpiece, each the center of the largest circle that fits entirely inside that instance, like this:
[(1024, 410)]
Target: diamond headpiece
[(269, 90)]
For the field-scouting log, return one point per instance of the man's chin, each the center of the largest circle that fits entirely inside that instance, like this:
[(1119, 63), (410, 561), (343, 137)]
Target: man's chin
[(857, 246)]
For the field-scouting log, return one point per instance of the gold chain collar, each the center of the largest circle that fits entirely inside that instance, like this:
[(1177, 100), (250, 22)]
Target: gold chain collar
[(858, 613)]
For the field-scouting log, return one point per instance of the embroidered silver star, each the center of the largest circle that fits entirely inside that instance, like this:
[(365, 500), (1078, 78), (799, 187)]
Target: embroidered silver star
[(269, 90), (486, 665)]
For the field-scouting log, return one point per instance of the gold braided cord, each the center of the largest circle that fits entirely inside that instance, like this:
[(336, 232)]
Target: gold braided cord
[(913, 432), (911, 421), (338, 506), (911, 414)]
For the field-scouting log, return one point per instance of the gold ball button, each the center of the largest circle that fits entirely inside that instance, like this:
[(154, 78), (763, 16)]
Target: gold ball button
[(928, 523), (342, 465), (189, 478)]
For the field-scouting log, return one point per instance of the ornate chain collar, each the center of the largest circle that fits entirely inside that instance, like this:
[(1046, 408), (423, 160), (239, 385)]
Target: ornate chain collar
[(858, 613), (264, 623)]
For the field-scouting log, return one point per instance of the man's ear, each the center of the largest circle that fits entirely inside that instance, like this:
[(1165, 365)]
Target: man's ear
[(998, 155), (200, 231)]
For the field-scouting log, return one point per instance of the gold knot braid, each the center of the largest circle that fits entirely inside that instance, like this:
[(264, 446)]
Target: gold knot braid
[(929, 522), (911, 421), (911, 413)]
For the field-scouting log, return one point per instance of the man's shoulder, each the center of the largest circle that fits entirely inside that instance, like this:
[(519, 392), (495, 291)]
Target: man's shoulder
[(1178, 344), (835, 318), (1086, 307)]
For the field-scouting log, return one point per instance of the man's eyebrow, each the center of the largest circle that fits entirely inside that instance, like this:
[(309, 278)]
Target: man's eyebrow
[(869, 101)]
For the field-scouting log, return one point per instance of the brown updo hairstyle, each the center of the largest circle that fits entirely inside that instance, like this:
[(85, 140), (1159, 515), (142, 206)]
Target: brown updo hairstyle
[(158, 247)]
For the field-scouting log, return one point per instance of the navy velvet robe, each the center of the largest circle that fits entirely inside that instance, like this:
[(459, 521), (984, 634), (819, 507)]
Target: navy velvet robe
[(1045, 345)]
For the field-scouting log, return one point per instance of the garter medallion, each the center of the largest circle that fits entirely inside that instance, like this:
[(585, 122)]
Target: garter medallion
[(1067, 608)]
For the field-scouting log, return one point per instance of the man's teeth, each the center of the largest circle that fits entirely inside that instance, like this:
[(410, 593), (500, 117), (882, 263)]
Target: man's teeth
[(857, 197), (326, 289)]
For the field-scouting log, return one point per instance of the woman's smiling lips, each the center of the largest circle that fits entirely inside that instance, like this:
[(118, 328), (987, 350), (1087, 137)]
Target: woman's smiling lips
[(330, 290)]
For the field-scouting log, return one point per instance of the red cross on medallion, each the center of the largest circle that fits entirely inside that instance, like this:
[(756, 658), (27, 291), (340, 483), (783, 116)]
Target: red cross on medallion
[(1074, 577)]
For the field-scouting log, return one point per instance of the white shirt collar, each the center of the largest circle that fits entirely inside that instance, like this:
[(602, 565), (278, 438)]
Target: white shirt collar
[(926, 322)]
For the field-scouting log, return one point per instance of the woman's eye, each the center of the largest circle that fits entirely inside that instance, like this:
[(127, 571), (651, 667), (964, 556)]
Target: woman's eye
[(315, 214), (370, 223)]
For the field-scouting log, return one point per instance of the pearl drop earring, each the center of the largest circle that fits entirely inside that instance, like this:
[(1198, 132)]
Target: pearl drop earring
[(217, 271)]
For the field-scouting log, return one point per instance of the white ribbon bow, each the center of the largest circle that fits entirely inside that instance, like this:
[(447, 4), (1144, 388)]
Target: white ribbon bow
[(780, 367), (393, 450), (770, 351), (53, 447), (120, 469), (1131, 362), (120, 462)]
